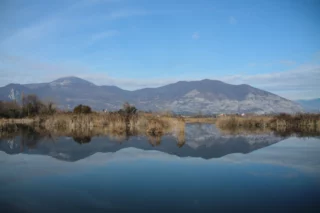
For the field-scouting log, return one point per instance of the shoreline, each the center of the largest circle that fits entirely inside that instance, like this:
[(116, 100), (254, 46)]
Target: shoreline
[(155, 124), (111, 122)]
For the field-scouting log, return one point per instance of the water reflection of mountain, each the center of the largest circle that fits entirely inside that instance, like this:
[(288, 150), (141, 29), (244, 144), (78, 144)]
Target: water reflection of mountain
[(203, 141)]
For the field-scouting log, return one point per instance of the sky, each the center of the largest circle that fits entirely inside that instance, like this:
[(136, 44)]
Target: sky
[(272, 45)]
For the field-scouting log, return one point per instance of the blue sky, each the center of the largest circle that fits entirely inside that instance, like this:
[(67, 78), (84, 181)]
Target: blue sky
[(272, 45)]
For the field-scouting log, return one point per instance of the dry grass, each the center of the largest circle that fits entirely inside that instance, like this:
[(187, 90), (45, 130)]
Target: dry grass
[(307, 123), (303, 121), (102, 123), (27, 121), (152, 124), (82, 127), (207, 120), (246, 122)]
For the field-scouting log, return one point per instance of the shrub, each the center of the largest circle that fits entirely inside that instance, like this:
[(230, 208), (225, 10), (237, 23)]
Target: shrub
[(128, 109), (82, 109), (10, 109), (48, 109), (31, 105)]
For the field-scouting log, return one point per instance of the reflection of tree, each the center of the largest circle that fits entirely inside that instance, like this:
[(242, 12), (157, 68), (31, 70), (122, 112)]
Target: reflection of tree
[(181, 139), (118, 137), (121, 136), (82, 139), (297, 132), (29, 136), (9, 131), (154, 140)]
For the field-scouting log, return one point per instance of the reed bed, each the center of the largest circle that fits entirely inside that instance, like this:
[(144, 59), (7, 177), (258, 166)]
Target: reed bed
[(102, 123), (246, 122), (207, 120), (280, 123), (4, 122), (298, 121)]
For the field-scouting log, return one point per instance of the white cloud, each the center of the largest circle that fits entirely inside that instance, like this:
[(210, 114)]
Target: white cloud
[(126, 13), (275, 63), (4, 58), (127, 83), (294, 77), (299, 83), (28, 36), (302, 82), (64, 21), (100, 1), (293, 84), (252, 64), (232, 20), (287, 62), (316, 56), (103, 35), (195, 36)]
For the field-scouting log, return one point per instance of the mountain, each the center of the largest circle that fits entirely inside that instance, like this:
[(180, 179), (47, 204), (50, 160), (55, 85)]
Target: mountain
[(206, 96), (312, 105)]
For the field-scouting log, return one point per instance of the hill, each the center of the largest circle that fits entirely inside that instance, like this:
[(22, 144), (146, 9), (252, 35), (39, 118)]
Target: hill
[(205, 96)]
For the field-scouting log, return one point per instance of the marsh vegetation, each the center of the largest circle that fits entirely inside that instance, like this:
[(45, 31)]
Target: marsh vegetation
[(128, 120), (282, 124)]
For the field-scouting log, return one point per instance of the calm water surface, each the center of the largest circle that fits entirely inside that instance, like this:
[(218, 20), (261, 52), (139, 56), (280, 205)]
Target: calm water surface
[(209, 172)]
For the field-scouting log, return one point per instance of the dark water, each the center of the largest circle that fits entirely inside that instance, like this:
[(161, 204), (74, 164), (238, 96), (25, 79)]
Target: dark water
[(208, 172)]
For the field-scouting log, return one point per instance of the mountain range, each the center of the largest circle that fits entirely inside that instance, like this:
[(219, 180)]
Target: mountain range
[(187, 97), (312, 105)]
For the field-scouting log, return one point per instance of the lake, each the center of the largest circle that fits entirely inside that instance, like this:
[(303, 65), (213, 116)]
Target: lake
[(209, 171)]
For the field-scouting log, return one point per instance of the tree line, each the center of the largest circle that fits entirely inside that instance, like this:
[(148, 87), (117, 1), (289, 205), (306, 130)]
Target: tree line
[(31, 105)]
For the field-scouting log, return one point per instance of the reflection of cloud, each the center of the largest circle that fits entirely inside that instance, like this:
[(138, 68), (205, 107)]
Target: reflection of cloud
[(288, 175), (47, 165), (297, 153), (292, 153)]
